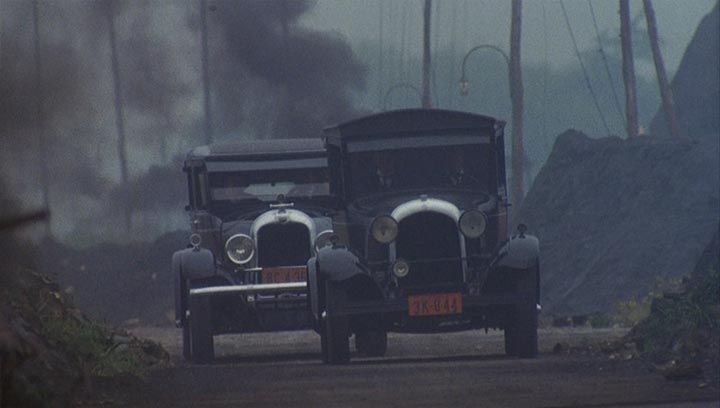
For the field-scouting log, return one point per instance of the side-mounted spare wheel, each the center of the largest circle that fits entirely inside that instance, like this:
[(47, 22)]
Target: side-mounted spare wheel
[(202, 350), (521, 327)]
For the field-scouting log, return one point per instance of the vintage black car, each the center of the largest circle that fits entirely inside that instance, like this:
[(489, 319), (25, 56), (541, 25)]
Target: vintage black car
[(258, 210), (422, 240)]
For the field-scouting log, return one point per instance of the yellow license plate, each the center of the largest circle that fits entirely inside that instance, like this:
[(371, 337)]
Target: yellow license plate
[(436, 304), (284, 274)]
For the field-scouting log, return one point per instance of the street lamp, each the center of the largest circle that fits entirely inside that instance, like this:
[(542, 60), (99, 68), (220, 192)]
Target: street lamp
[(464, 83), (399, 86)]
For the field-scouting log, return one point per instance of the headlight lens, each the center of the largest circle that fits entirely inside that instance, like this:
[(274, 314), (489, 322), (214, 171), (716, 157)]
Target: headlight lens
[(473, 223), (400, 268), (240, 248), (324, 239), (384, 229)]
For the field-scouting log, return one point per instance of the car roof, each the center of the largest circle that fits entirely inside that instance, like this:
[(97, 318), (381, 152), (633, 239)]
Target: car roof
[(255, 148), (408, 120)]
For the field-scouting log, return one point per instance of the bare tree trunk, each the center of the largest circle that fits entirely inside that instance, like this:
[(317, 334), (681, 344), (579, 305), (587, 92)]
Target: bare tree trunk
[(665, 90), (516, 96), (40, 121), (205, 72), (628, 70), (119, 119), (426, 98)]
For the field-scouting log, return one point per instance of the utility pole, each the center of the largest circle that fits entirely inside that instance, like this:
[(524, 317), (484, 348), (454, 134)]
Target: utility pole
[(205, 72), (665, 91), (516, 96), (40, 120), (119, 119), (426, 98), (631, 114)]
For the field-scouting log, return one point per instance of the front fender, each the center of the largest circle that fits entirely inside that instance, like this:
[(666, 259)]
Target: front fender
[(197, 263), (342, 269), (519, 252), (338, 264)]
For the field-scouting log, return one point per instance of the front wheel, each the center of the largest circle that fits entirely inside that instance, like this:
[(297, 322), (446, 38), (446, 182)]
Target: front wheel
[(337, 340), (525, 317), (202, 349), (335, 329), (186, 341), (526, 322)]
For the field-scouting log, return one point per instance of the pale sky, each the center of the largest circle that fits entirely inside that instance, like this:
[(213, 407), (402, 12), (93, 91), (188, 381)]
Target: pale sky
[(472, 22)]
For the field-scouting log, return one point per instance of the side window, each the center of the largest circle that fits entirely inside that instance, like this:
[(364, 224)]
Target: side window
[(191, 190), (500, 160), (197, 187), (202, 187)]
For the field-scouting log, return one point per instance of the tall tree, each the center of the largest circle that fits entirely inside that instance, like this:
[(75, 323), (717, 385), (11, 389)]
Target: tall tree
[(40, 120), (665, 91), (426, 98), (631, 115), (516, 96), (119, 118), (205, 72)]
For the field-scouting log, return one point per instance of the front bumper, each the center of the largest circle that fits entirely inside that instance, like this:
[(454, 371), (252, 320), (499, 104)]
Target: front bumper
[(253, 289)]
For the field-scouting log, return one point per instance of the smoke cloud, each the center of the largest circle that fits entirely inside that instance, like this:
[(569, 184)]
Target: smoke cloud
[(269, 77)]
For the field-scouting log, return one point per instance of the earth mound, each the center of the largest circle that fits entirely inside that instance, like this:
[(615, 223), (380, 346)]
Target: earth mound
[(615, 215)]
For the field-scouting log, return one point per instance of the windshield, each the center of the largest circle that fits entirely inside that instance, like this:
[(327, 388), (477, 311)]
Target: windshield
[(267, 186), (465, 167)]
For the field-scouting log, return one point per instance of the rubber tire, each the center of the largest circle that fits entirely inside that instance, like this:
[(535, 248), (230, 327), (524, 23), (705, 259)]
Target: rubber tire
[(526, 322), (338, 341), (202, 349), (525, 319), (186, 341), (371, 343), (324, 347), (510, 337)]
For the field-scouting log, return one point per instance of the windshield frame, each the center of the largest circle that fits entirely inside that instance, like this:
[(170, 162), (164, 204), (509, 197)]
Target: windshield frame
[(399, 142)]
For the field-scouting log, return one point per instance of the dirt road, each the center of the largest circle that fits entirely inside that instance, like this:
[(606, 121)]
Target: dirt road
[(456, 369)]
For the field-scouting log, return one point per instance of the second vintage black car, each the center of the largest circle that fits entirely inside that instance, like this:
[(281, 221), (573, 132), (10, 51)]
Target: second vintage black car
[(258, 210), (422, 238)]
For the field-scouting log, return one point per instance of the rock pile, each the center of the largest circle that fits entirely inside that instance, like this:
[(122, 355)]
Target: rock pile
[(615, 215)]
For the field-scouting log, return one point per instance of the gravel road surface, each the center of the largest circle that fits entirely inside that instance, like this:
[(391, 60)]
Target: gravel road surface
[(465, 369)]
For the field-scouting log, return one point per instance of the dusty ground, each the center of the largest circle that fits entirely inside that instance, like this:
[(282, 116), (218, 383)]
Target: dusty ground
[(457, 369)]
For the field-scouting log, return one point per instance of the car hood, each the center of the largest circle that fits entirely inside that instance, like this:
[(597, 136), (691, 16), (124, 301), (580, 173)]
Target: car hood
[(316, 220), (387, 203)]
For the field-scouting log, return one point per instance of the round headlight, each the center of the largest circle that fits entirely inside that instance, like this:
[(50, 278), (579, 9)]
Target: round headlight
[(384, 229), (324, 239), (240, 248), (472, 223), (400, 268)]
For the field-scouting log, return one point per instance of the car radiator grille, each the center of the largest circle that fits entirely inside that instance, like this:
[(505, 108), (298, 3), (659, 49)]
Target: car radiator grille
[(429, 242), (283, 245)]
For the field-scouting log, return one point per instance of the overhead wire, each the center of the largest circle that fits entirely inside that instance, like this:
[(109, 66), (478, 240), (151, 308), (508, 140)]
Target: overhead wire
[(545, 73), (584, 70), (453, 57), (605, 62), (435, 27), (381, 72)]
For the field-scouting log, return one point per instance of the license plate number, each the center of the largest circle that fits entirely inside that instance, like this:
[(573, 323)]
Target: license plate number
[(433, 305), (284, 274)]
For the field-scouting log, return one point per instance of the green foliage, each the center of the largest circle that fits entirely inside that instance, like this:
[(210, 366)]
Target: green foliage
[(600, 320), (91, 346), (630, 312), (685, 322)]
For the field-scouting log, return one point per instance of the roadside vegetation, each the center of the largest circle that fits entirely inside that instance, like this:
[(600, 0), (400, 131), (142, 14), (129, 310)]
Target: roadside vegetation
[(49, 351)]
